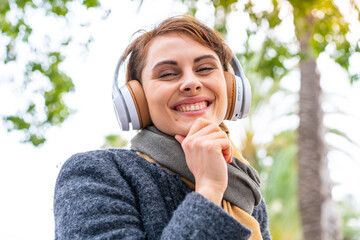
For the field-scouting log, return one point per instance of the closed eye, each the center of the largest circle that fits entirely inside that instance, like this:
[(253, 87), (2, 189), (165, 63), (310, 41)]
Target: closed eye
[(167, 75), (205, 69)]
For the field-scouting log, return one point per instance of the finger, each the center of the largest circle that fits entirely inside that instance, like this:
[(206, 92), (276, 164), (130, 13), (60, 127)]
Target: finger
[(201, 129), (179, 138), (220, 140), (226, 148), (228, 155), (209, 139), (197, 125)]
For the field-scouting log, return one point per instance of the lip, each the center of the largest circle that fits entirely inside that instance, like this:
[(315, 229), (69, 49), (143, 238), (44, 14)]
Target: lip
[(192, 100)]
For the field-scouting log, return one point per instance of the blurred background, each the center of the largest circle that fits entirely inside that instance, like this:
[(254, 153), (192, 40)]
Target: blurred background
[(301, 57)]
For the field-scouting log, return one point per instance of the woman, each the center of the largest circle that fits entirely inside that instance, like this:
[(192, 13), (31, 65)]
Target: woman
[(182, 178)]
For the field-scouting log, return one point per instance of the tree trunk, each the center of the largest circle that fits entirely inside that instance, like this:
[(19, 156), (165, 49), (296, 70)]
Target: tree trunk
[(318, 214)]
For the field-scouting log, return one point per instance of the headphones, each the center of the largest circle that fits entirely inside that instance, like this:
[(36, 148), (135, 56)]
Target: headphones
[(131, 106)]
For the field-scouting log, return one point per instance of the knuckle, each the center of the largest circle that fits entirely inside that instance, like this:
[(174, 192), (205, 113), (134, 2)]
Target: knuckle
[(209, 147), (223, 134)]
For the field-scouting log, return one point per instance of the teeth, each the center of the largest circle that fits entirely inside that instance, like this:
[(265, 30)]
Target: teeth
[(192, 107)]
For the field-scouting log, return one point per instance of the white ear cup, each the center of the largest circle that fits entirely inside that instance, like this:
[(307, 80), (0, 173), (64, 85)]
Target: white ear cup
[(120, 109), (242, 99), (125, 109), (242, 92), (246, 98), (129, 101)]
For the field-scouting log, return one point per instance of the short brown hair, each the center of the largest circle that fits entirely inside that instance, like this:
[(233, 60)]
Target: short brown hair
[(186, 24)]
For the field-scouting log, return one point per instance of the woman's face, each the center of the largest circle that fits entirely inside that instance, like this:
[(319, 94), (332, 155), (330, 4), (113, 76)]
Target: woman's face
[(183, 80)]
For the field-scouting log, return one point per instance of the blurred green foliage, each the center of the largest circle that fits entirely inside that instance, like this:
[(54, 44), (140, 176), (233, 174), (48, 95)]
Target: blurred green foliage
[(280, 187), (350, 212), (34, 119), (114, 141)]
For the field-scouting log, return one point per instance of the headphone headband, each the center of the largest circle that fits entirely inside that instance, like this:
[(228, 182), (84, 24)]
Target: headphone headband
[(116, 74)]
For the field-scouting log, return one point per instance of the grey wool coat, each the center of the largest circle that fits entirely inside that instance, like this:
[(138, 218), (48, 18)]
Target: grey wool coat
[(116, 194)]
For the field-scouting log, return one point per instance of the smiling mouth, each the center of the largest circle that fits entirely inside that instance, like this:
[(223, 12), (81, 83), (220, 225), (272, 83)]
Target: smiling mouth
[(192, 107)]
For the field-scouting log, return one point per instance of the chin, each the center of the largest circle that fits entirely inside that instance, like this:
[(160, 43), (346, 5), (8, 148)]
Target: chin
[(184, 132), (180, 127), (185, 128), (178, 130)]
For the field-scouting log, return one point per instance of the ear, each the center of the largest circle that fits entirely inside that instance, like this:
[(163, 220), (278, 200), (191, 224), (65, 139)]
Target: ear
[(231, 94), (139, 99)]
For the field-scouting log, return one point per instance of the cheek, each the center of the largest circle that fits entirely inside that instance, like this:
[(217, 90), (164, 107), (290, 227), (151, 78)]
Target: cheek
[(223, 102), (223, 108), (153, 103), (221, 91), (157, 102)]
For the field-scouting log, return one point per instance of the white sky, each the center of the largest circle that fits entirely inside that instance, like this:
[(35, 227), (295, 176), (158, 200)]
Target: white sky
[(28, 174)]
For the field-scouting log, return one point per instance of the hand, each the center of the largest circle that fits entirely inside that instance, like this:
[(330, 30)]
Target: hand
[(207, 150)]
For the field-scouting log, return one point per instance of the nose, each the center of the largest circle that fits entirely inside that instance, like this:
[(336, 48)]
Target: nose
[(190, 84)]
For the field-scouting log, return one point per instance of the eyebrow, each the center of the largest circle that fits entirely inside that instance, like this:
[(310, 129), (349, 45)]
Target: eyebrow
[(198, 59), (165, 62)]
